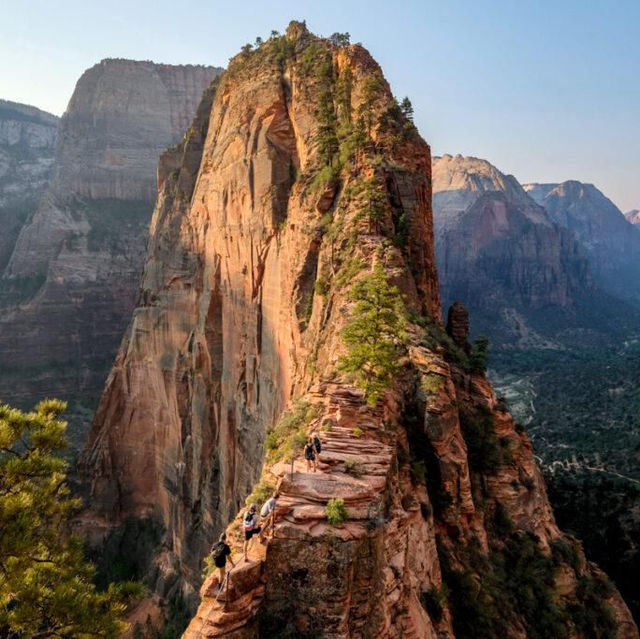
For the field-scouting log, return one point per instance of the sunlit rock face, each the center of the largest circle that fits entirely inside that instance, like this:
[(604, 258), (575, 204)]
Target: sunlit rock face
[(73, 274), (248, 285)]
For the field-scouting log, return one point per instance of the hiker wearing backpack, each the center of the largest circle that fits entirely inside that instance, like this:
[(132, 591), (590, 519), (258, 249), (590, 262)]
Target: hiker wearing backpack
[(310, 455), (220, 551), (317, 445), (250, 528), (268, 516)]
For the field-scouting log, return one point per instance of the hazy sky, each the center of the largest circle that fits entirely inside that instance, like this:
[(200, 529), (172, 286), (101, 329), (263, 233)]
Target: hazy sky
[(546, 90)]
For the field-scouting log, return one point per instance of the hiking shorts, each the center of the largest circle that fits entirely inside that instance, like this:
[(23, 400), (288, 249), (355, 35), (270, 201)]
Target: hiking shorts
[(250, 533)]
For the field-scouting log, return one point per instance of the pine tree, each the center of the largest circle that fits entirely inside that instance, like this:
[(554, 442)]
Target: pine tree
[(479, 354), (407, 108), (374, 334), (46, 586), (341, 39), (375, 203)]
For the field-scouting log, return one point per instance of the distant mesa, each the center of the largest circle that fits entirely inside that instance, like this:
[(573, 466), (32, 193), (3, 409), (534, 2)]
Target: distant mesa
[(501, 253), (601, 228), (69, 274)]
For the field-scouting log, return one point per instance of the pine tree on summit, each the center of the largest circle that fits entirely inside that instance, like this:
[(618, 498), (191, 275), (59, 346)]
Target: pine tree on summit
[(407, 108)]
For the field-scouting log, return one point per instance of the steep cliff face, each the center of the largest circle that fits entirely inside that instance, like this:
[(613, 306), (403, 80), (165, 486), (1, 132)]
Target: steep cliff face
[(501, 253), (608, 238), (300, 178), (75, 268), (27, 147)]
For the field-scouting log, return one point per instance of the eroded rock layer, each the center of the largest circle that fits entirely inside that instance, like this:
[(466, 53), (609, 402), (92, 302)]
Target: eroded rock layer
[(75, 268), (299, 178)]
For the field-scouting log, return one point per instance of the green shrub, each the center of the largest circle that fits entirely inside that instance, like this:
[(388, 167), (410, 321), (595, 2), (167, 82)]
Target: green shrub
[(271, 441), (563, 551), (327, 425), (479, 354), (208, 567), (357, 432), (290, 433), (260, 493), (348, 271), (321, 286), (336, 511), (353, 468)]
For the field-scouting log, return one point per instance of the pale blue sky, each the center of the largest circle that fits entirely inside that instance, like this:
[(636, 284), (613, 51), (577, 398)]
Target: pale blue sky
[(545, 90)]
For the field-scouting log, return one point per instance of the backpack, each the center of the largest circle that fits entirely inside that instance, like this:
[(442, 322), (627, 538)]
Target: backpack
[(218, 551), (248, 522)]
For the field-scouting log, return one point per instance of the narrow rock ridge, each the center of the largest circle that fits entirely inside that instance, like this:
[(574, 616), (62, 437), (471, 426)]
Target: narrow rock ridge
[(298, 178), (75, 268)]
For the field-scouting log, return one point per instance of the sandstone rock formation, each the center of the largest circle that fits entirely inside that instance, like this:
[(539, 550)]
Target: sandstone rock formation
[(523, 277), (299, 176), (27, 147), (76, 265), (458, 326), (599, 225)]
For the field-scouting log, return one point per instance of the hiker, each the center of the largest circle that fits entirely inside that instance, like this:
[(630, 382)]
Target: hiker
[(220, 551), (317, 444), (250, 528), (310, 455), (268, 516)]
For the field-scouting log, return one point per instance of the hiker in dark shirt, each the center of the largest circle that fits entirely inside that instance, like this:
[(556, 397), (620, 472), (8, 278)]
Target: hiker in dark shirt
[(317, 445), (220, 551), (310, 455), (250, 527)]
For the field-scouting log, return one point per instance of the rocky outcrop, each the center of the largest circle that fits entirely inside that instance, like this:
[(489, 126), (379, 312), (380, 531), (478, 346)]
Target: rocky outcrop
[(458, 326), (299, 179), (607, 237), (27, 147), (75, 268), (633, 216), (524, 278)]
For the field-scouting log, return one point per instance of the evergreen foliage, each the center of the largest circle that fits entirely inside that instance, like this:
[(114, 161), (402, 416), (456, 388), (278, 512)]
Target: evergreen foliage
[(289, 436), (407, 108), (374, 335), (46, 585), (340, 39), (336, 511), (479, 354)]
